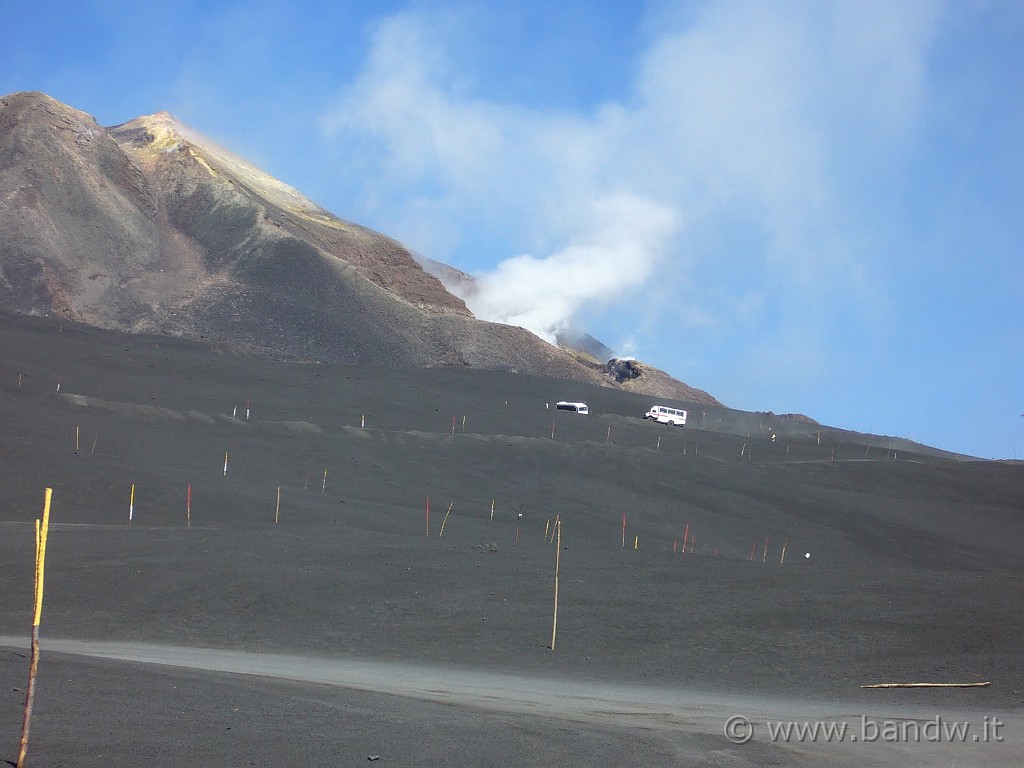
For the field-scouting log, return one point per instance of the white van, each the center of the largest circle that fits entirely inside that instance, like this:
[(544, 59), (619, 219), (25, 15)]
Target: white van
[(577, 407), (664, 415)]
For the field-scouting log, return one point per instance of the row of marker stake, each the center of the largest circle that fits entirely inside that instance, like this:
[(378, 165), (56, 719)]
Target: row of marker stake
[(689, 541)]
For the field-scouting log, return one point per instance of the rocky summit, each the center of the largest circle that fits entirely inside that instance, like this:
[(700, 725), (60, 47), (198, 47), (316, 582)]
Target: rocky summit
[(147, 227)]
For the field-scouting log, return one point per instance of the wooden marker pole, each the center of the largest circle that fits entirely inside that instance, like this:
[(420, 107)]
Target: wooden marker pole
[(42, 533), (439, 535), (558, 560), (323, 488)]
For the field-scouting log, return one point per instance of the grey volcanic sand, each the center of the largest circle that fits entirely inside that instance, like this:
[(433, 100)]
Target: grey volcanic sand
[(914, 574)]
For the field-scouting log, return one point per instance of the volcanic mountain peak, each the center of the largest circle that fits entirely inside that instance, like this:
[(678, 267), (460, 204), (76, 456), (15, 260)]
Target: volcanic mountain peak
[(150, 227), (162, 132)]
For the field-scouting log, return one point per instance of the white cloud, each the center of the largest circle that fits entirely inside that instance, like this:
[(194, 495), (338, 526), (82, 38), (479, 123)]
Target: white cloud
[(745, 116)]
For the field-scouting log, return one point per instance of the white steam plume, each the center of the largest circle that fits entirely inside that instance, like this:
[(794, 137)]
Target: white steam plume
[(615, 255)]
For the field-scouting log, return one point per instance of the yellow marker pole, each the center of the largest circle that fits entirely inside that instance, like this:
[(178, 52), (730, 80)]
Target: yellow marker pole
[(131, 505), (439, 535), (42, 533), (558, 556), (636, 543), (225, 463)]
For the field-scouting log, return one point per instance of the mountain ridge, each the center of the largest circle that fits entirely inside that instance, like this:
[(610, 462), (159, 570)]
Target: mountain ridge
[(148, 227)]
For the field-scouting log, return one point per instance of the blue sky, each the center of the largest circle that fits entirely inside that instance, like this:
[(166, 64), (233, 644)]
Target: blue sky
[(803, 207)]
